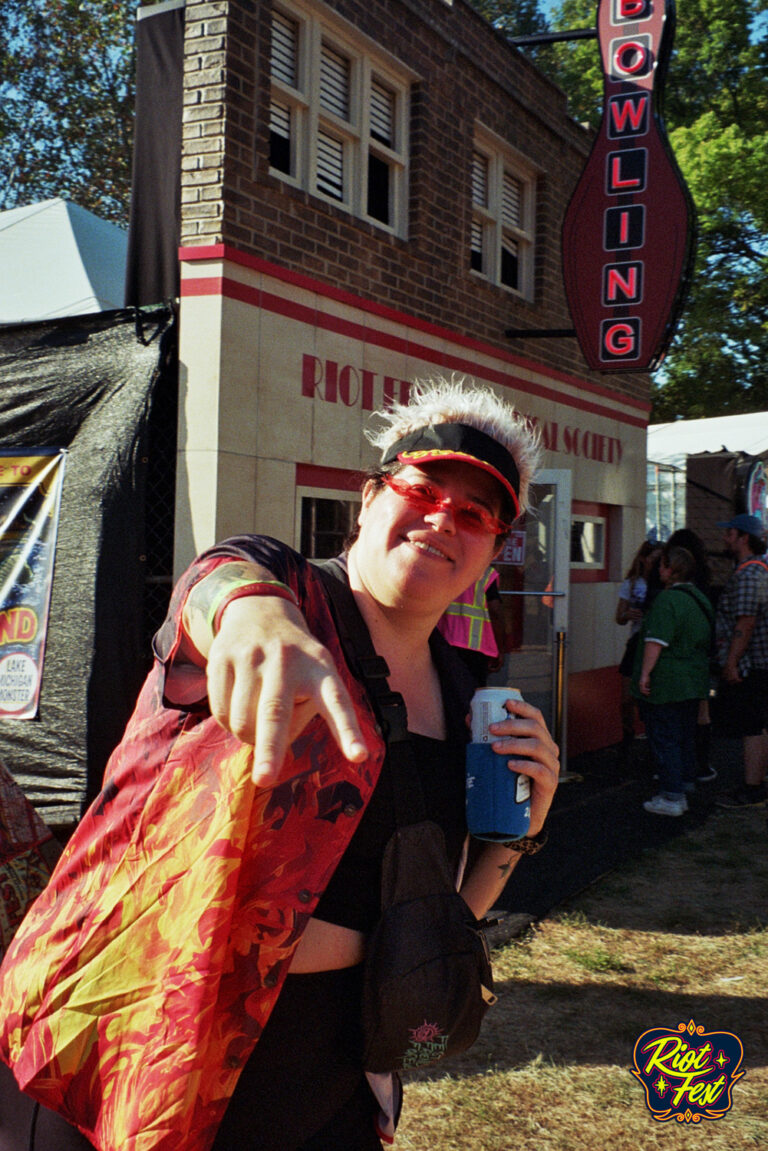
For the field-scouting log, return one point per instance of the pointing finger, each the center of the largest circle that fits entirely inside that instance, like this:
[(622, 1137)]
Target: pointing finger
[(337, 709)]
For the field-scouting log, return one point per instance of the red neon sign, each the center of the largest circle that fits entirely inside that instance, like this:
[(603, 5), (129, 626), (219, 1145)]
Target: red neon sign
[(628, 237)]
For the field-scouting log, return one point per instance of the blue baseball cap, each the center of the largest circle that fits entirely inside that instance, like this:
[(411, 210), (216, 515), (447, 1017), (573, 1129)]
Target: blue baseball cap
[(744, 522)]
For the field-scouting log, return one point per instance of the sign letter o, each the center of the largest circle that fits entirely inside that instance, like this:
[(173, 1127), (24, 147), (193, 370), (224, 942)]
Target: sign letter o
[(631, 57)]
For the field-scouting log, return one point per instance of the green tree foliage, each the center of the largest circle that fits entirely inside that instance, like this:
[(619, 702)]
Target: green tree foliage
[(66, 103), (513, 17), (716, 112)]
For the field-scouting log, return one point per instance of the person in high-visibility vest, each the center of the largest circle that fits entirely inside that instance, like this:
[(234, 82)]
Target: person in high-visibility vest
[(474, 624)]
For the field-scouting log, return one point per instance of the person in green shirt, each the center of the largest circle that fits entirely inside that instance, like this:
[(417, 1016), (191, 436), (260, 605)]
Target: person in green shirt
[(671, 675)]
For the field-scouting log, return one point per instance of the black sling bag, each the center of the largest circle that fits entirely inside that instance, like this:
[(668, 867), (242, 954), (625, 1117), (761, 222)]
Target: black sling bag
[(427, 980)]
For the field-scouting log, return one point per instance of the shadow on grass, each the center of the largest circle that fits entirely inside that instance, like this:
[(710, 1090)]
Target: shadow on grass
[(598, 825), (586, 1025)]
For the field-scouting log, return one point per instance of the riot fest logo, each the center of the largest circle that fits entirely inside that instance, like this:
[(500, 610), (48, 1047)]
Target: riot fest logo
[(688, 1073)]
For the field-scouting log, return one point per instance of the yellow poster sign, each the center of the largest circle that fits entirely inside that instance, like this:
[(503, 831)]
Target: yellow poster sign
[(30, 496)]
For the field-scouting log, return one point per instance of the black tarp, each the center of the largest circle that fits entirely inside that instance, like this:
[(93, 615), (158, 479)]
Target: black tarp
[(86, 384), (152, 270)]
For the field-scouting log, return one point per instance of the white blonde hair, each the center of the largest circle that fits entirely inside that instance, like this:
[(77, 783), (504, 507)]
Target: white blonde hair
[(459, 400)]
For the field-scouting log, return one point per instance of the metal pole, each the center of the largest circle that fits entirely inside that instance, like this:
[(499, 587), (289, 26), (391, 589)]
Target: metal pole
[(538, 333), (560, 687), (552, 37), (559, 733)]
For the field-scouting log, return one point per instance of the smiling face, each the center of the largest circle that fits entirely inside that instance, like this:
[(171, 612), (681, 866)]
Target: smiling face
[(406, 556)]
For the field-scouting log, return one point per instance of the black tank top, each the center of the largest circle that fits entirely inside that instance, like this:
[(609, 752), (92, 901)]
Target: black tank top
[(353, 895)]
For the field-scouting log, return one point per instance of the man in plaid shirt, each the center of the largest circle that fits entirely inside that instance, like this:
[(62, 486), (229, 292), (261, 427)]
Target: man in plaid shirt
[(741, 634)]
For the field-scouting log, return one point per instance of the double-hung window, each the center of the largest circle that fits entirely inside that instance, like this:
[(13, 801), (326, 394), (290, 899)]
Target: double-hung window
[(338, 118), (325, 523), (503, 215)]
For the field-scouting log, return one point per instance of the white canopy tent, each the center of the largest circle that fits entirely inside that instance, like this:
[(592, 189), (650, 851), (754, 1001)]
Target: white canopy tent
[(57, 259), (671, 443)]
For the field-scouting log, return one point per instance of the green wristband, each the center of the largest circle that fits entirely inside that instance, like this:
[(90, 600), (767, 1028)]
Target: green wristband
[(245, 587)]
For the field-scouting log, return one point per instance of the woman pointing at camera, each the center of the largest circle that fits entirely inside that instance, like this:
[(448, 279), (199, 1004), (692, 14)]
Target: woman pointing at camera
[(235, 857)]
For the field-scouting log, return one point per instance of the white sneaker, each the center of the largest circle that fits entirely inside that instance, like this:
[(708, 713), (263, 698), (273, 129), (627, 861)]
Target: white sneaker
[(660, 805)]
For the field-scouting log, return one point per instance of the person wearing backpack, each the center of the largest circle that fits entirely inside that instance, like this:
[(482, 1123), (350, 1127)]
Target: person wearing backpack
[(742, 649), (192, 977), (671, 676)]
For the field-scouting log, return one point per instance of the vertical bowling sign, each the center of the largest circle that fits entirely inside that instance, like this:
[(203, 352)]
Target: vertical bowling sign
[(30, 497), (628, 232)]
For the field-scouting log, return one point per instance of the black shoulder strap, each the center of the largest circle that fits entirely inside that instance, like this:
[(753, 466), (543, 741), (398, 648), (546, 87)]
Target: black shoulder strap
[(704, 605), (368, 666)]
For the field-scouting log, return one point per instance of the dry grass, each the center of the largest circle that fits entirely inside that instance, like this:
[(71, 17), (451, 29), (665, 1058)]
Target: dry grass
[(681, 934)]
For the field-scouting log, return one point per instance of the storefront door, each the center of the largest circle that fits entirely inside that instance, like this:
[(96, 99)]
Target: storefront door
[(533, 581)]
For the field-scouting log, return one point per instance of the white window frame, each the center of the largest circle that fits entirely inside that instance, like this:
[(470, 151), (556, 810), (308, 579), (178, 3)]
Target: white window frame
[(353, 133), (601, 560), (501, 159)]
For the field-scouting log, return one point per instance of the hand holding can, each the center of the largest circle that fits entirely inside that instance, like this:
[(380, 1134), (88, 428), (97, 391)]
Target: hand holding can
[(498, 799)]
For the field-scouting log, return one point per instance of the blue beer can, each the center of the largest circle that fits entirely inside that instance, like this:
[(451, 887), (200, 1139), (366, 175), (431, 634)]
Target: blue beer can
[(498, 800)]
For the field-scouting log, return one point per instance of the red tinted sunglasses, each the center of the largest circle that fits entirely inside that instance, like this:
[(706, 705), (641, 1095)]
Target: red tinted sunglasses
[(469, 517)]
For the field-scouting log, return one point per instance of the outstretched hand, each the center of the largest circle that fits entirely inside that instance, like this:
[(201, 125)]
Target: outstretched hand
[(268, 676)]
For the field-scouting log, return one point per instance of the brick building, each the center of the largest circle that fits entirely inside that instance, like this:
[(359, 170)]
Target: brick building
[(373, 192)]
